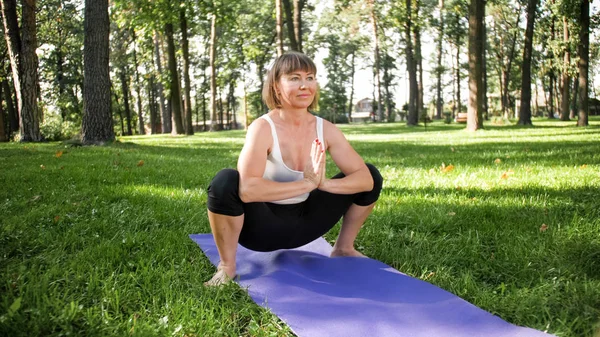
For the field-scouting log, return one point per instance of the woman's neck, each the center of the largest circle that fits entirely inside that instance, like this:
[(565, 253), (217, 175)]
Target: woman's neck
[(295, 117)]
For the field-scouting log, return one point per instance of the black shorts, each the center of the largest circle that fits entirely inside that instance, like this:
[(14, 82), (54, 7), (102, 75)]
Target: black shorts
[(268, 226)]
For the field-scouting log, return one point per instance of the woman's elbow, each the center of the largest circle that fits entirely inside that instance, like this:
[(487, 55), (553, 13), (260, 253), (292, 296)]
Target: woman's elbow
[(245, 193)]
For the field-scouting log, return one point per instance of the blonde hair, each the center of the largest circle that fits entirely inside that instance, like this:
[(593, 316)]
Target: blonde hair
[(285, 64)]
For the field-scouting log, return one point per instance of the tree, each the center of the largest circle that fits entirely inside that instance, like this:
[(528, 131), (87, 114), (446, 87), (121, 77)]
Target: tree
[(373, 9), (279, 27), (476, 44), (97, 126), (411, 65), (583, 64), (566, 80), (525, 108), (24, 64), (189, 129), (440, 68)]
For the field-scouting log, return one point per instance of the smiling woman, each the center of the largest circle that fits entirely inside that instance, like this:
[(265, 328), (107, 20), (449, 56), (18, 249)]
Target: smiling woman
[(279, 197)]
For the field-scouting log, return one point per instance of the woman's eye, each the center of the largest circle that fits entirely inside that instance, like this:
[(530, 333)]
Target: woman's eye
[(294, 79), (310, 78)]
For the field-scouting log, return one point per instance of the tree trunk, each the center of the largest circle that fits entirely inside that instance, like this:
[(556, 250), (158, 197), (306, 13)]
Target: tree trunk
[(289, 20), (152, 104), (440, 46), (584, 58), (525, 108), (30, 114), (13, 115), (125, 89), (164, 112), (566, 80), (377, 60), (3, 133), (419, 62), (574, 99), (13, 43), (552, 74), (458, 79), (189, 128), (352, 73), (506, 104), (484, 98), (174, 93), (97, 124), (279, 27), (138, 88), (413, 116), (475, 108), (213, 74), (298, 6), (122, 122)]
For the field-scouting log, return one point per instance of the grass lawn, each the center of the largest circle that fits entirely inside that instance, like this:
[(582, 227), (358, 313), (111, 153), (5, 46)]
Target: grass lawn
[(94, 240)]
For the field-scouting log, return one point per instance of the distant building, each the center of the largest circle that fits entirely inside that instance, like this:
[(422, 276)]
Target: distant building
[(363, 111)]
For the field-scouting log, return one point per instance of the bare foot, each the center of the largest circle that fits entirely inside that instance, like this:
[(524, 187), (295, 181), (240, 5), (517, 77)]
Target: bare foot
[(220, 277), (346, 252)]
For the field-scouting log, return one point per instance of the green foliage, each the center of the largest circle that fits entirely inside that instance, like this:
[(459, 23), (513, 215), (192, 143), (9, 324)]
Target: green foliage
[(54, 128)]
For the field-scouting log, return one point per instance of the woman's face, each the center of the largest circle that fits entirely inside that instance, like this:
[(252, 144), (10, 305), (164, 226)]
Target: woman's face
[(297, 89)]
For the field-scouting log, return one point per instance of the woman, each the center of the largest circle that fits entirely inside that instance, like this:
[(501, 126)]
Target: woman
[(279, 197)]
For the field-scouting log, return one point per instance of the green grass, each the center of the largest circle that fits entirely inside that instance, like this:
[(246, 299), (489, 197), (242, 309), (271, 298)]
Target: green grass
[(94, 242)]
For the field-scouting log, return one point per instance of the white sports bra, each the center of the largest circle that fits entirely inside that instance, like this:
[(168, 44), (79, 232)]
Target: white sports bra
[(276, 170)]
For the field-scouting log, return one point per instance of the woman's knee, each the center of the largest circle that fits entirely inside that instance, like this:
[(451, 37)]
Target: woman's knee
[(367, 198), (377, 178), (223, 196)]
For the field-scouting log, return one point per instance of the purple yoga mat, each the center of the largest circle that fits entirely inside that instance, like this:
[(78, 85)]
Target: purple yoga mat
[(321, 296)]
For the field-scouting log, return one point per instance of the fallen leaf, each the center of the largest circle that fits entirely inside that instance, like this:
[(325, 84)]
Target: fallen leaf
[(35, 198), (58, 154), (583, 166), (452, 149), (543, 228), (42, 167), (432, 171), (498, 161), (451, 213), (507, 174), (140, 163), (56, 218), (429, 275), (446, 169), (507, 156), (458, 188)]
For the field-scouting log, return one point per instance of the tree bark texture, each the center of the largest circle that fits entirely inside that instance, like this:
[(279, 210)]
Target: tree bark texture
[(566, 80), (125, 89), (30, 115), (583, 65), (475, 108), (189, 127), (439, 101), (525, 108), (289, 20), (164, 112), (279, 27), (13, 42), (413, 91), (13, 115), (213, 73), (298, 6), (97, 125), (377, 60), (3, 133), (174, 93), (138, 88)]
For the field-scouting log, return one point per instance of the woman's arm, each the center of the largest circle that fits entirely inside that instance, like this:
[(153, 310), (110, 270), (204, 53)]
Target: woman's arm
[(252, 163), (357, 176)]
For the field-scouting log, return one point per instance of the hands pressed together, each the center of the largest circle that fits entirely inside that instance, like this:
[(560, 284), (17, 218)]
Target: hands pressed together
[(314, 170)]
